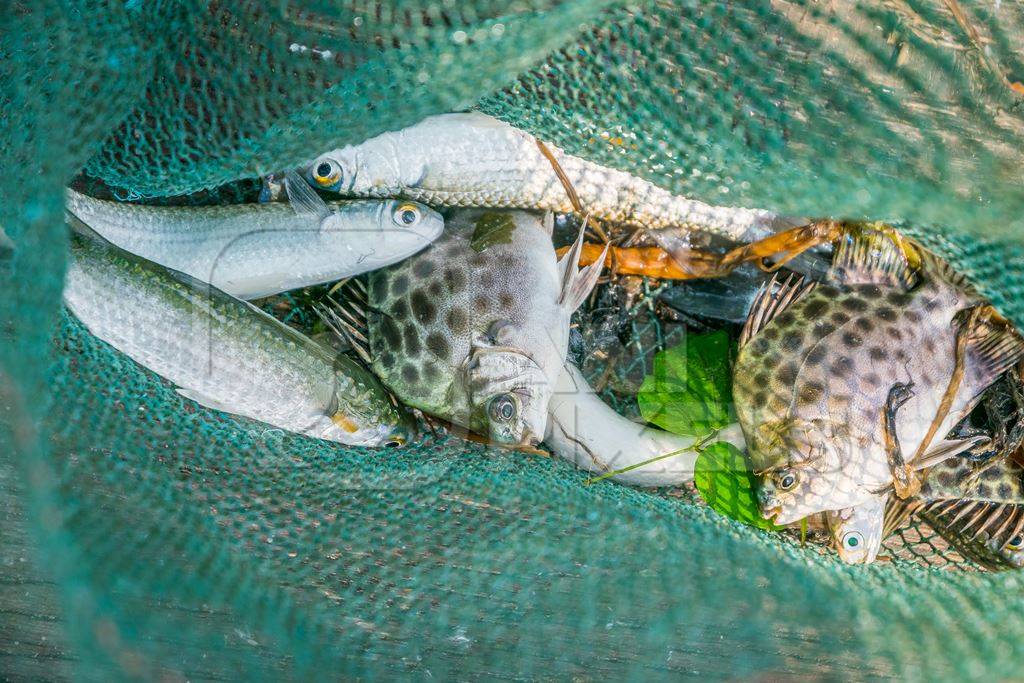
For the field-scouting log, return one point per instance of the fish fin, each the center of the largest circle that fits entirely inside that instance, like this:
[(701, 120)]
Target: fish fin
[(577, 283), (773, 298), (898, 511), (348, 322), (944, 450), (875, 254), (304, 198), (993, 348), (547, 222), (204, 400)]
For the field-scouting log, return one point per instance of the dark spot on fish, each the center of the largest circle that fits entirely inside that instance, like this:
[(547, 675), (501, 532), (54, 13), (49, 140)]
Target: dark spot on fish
[(759, 398), (810, 392), (392, 335), (827, 291), (1005, 490), (817, 354), (438, 345), (481, 303), (454, 279), (929, 345), (894, 332), (506, 300), (761, 379), (478, 260), (760, 346), (902, 356), (410, 374), (873, 379), (872, 291), (770, 332), (983, 490), (431, 373), (991, 473), (840, 400), (412, 340), (387, 359), (822, 330), (887, 314), (815, 308), (852, 303), (852, 339), (487, 279), (422, 308), (930, 305), (455, 319), (897, 298), (423, 267), (864, 324), (912, 316), (877, 353), (400, 310), (945, 478), (792, 340), (787, 373), (840, 318), (434, 289), (400, 285), (378, 287), (842, 366), (785, 319)]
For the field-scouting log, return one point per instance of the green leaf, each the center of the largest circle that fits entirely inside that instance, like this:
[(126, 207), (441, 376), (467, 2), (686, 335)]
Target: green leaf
[(690, 389), (727, 485)]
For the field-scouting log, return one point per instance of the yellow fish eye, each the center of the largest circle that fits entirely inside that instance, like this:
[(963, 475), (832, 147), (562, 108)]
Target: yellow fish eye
[(327, 172), (406, 215), (1016, 543)]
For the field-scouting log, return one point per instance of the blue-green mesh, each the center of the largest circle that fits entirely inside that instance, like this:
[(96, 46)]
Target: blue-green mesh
[(143, 536)]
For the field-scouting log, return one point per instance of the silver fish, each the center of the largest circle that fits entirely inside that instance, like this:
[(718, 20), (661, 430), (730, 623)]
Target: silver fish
[(474, 330), (226, 354), (818, 367), (474, 160), (256, 250)]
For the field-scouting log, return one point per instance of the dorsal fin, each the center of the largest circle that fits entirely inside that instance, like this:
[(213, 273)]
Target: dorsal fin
[(344, 315), (578, 282), (773, 298), (994, 346), (877, 254)]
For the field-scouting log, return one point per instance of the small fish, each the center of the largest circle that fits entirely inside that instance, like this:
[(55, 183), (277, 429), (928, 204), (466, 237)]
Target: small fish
[(226, 354), (818, 366), (474, 160), (256, 250), (474, 330)]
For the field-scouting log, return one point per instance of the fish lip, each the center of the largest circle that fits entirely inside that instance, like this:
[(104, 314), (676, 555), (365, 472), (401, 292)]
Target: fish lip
[(771, 513)]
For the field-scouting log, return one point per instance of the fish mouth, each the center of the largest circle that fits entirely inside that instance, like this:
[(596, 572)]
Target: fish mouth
[(772, 513)]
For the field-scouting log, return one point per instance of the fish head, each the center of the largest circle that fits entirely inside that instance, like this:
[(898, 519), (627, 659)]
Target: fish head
[(369, 171), (1012, 551), (857, 531), (802, 470), (378, 423), (509, 396)]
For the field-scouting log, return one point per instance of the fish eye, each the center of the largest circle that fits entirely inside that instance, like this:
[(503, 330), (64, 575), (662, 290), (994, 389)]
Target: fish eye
[(1016, 543), (853, 540), (327, 172), (786, 480), (394, 442), (502, 408), (407, 215)]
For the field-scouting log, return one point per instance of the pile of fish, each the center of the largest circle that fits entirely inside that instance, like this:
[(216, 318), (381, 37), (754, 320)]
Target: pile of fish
[(852, 384)]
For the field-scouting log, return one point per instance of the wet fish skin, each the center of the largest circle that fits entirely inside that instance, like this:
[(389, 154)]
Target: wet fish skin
[(255, 250), (224, 353), (811, 385), (475, 329), (474, 160)]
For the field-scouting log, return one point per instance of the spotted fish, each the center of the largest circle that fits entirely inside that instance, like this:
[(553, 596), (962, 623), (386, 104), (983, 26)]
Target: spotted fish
[(474, 329), (819, 365)]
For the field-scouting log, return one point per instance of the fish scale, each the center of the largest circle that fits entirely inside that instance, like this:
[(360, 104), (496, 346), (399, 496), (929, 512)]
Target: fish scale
[(813, 377)]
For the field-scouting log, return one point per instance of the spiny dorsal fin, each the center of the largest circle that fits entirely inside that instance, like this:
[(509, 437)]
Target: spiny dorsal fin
[(773, 299), (346, 319), (578, 282), (875, 254)]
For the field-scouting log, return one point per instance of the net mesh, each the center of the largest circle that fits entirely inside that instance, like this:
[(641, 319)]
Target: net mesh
[(143, 536)]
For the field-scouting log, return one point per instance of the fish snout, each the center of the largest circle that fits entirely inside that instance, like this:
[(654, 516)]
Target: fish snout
[(768, 501)]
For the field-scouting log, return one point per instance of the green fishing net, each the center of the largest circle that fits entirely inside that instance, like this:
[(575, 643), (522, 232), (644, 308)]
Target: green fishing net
[(141, 536)]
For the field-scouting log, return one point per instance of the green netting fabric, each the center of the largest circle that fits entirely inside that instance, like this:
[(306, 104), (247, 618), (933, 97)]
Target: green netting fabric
[(141, 536)]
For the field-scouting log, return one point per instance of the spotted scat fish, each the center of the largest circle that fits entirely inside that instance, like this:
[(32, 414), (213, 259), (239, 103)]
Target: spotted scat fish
[(474, 330), (254, 250), (226, 354), (464, 160), (837, 386)]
